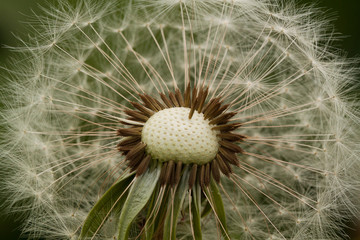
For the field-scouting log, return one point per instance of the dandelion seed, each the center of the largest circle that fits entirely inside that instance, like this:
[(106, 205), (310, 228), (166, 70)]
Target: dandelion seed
[(180, 120)]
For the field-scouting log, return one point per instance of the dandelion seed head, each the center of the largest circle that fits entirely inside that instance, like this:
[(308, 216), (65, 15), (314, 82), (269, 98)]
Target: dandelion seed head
[(242, 97)]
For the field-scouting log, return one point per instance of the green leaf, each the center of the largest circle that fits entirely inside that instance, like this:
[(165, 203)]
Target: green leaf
[(174, 207), (149, 229), (195, 212), (157, 221), (111, 201), (218, 207), (138, 196), (207, 209)]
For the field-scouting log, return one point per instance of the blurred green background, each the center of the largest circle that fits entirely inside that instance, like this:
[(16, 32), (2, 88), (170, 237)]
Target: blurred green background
[(346, 15)]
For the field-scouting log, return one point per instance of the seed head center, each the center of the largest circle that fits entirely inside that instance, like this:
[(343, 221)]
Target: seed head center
[(170, 135)]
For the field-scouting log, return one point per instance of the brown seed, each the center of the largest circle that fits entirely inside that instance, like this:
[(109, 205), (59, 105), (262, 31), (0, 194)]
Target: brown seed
[(137, 150), (194, 96), (148, 103), (234, 137), (187, 97), (194, 102), (209, 103), (129, 132), (129, 140), (173, 99), (192, 110), (224, 167), (212, 114), (231, 146), (202, 98), (124, 152), (221, 110), (228, 166), (209, 114), (169, 171), (222, 118), (179, 97), (215, 170), (192, 176), (207, 174), (202, 175), (172, 177), (154, 102), (227, 127), (146, 111), (166, 100), (127, 147), (143, 166), (228, 156), (134, 162), (138, 116), (163, 174), (199, 97), (158, 104)]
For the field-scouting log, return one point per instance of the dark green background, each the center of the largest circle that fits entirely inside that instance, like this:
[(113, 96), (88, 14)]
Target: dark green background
[(346, 15)]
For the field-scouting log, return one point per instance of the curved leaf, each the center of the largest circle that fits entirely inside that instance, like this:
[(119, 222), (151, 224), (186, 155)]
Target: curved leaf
[(112, 200), (149, 228), (195, 212), (206, 210), (174, 207), (138, 196), (218, 207)]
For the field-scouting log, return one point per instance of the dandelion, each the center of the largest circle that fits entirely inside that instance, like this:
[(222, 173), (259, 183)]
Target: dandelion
[(180, 119)]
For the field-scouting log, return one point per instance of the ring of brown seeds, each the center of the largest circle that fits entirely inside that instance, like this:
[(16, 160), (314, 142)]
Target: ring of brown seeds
[(139, 158)]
